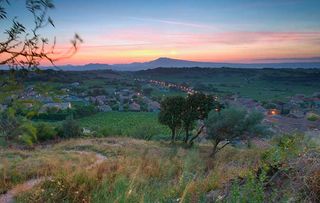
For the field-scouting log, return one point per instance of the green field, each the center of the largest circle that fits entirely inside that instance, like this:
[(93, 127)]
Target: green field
[(125, 123)]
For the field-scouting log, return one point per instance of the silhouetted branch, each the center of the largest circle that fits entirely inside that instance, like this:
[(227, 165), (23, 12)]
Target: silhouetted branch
[(24, 49)]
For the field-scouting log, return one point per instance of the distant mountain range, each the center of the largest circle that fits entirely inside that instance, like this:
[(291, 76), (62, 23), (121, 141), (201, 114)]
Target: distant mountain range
[(177, 63)]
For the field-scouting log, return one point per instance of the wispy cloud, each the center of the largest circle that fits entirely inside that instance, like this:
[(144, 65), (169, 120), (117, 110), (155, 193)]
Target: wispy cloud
[(156, 37), (173, 22)]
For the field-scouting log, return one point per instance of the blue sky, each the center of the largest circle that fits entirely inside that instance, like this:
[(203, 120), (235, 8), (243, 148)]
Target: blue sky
[(139, 30)]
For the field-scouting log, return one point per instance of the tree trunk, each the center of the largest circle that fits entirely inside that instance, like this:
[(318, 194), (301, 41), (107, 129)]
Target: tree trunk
[(214, 149), (187, 135), (197, 135), (173, 135)]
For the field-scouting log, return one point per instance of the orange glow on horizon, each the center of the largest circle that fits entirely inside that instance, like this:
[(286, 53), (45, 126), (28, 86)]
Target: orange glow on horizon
[(145, 45)]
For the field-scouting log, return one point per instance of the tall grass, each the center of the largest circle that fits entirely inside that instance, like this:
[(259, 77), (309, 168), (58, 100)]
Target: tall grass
[(142, 171)]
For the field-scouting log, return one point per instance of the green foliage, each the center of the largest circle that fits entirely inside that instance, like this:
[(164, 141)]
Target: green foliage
[(53, 116), (109, 131), (31, 114), (196, 106), (27, 134), (231, 124), (9, 123), (286, 147), (83, 111), (116, 192), (123, 123), (252, 191), (313, 117), (252, 83), (26, 140), (46, 132), (171, 113), (71, 128)]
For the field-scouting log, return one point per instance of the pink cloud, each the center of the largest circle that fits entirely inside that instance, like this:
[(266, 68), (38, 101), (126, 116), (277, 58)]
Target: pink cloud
[(230, 38), (146, 44)]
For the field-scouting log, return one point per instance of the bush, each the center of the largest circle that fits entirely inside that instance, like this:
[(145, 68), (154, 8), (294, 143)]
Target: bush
[(27, 134), (287, 147), (46, 132), (70, 128), (231, 124), (26, 140), (313, 117), (251, 191)]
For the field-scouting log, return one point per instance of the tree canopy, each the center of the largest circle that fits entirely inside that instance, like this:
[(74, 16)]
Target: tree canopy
[(171, 113), (231, 124)]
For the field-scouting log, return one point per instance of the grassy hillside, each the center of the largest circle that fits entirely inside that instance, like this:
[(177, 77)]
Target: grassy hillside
[(130, 170), (134, 171)]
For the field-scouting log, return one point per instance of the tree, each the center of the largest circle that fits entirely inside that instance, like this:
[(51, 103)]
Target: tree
[(171, 113), (197, 106), (231, 124), (24, 47), (205, 105)]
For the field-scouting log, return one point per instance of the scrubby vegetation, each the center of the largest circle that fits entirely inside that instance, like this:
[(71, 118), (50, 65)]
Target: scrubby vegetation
[(135, 171), (144, 171)]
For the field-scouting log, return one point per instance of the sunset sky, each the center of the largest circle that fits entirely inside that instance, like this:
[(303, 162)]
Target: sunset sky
[(118, 31)]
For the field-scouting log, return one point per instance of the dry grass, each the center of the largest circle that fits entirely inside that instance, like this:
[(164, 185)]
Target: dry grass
[(135, 171)]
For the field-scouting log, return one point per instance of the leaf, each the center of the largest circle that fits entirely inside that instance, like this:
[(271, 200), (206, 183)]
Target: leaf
[(51, 22), (3, 13)]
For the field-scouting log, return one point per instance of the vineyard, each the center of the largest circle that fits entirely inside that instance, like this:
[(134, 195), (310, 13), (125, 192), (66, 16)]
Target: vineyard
[(133, 124)]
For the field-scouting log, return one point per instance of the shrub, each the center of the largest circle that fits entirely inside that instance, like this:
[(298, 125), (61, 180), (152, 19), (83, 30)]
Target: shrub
[(287, 147), (70, 128), (313, 117), (9, 123), (46, 132), (232, 124), (252, 191), (27, 134), (26, 140)]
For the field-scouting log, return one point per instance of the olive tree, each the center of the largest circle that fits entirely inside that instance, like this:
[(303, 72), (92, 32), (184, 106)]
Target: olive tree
[(171, 113), (229, 124), (197, 106)]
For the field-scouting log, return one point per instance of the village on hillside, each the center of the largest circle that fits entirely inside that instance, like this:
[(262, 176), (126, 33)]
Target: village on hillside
[(299, 113)]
